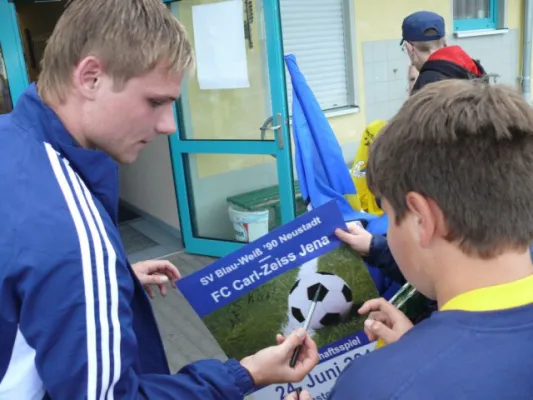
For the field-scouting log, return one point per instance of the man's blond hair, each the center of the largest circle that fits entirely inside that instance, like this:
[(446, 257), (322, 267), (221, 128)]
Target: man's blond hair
[(129, 37)]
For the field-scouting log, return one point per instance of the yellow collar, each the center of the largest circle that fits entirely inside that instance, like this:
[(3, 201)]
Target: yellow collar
[(500, 297)]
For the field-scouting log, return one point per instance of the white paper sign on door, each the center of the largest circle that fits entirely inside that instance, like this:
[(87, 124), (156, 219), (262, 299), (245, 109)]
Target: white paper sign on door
[(220, 45)]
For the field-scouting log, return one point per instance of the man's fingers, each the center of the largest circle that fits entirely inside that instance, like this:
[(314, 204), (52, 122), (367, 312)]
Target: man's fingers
[(309, 354), (294, 339), (354, 228), (292, 396), (149, 291), (370, 334), (280, 339), (164, 267), (163, 290), (376, 316), (371, 305), (155, 279), (307, 358), (381, 331), (170, 270), (344, 236), (379, 304), (304, 395), (379, 316)]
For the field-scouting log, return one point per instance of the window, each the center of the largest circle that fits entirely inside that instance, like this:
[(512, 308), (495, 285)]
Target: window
[(320, 34), (477, 14)]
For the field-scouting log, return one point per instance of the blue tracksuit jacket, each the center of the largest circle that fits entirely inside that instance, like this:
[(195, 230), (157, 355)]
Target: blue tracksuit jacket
[(453, 355), (75, 323)]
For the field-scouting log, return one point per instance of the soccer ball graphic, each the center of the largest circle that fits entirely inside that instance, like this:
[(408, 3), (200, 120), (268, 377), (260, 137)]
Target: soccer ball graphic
[(334, 301)]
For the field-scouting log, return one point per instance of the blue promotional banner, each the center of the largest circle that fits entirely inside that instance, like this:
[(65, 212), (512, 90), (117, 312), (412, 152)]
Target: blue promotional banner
[(287, 247), (267, 287)]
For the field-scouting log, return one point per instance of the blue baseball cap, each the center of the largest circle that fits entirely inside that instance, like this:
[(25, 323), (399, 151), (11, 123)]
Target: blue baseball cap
[(414, 26)]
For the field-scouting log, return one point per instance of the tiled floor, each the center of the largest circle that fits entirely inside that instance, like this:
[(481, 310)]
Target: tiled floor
[(185, 337), (145, 240)]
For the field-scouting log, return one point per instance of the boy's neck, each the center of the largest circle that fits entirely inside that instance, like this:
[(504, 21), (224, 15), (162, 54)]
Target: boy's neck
[(460, 274)]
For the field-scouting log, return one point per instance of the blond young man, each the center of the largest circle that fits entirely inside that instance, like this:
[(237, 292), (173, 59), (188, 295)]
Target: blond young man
[(75, 322), (460, 203)]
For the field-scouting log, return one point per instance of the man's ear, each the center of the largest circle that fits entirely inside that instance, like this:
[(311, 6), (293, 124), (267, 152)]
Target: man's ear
[(88, 76), (427, 216)]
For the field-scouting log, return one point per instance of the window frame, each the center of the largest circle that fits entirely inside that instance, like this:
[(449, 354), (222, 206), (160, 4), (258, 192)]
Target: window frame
[(351, 59), (497, 12)]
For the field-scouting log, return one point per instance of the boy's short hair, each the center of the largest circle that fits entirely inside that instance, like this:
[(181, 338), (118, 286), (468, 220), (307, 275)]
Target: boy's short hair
[(467, 146), (130, 37)]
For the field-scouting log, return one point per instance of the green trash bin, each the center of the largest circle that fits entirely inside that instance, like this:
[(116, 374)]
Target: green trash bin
[(267, 199)]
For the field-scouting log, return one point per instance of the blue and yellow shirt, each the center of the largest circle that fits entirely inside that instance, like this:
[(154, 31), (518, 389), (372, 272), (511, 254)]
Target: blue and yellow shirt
[(478, 346)]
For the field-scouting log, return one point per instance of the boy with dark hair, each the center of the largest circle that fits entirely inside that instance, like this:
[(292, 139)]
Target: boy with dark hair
[(424, 40), (466, 148)]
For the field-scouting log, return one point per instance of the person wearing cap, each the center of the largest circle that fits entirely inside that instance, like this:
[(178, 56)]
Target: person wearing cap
[(424, 41)]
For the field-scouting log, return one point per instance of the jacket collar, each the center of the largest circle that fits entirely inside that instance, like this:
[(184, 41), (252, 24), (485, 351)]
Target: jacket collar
[(96, 168), (493, 298)]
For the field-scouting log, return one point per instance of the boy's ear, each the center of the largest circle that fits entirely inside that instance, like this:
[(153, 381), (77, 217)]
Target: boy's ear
[(428, 217)]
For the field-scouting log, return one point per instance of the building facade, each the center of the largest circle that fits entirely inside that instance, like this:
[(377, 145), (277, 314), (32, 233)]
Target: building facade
[(233, 147)]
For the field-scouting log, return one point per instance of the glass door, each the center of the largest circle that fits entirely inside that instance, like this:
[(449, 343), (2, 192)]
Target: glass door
[(13, 77), (232, 154)]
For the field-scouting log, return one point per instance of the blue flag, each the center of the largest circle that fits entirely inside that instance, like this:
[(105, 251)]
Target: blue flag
[(322, 172)]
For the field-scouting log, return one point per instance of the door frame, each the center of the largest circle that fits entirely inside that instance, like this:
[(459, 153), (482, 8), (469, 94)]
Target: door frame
[(180, 147), (12, 50)]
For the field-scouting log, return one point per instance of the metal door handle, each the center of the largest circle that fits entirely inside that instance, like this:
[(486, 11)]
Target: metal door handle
[(267, 126)]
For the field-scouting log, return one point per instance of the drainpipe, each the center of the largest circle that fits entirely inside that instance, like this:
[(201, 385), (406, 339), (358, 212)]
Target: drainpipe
[(526, 61)]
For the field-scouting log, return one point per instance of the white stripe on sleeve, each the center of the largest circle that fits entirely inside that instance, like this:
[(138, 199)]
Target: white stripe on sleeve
[(100, 280), (113, 283), (86, 270)]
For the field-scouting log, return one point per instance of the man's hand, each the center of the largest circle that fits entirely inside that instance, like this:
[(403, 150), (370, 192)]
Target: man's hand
[(304, 395), (385, 321), (156, 272), (271, 365), (357, 238)]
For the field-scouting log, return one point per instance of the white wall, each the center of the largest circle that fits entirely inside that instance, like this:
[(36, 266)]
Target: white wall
[(148, 183)]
